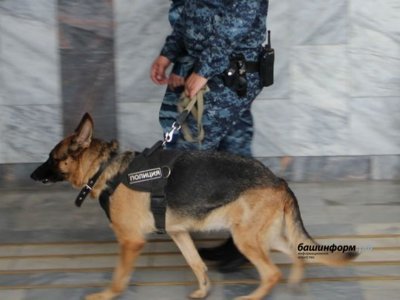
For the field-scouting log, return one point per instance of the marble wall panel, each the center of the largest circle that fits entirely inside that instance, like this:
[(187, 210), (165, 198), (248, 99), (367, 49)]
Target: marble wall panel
[(2, 93), (273, 133), (320, 73), (29, 133), (29, 66), (2, 141), (317, 131), (316, 22), (374, 126), (86, 38), (319, 100), (138, 125), (29, 80), (374, 48)]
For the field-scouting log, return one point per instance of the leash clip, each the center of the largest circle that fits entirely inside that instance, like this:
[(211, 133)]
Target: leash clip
[(169, 135)]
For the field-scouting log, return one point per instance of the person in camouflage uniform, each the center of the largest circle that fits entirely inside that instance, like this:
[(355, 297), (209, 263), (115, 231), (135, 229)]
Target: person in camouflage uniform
[(206, 35)]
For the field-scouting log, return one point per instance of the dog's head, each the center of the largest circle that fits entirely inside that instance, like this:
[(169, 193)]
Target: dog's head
[(63, 161)]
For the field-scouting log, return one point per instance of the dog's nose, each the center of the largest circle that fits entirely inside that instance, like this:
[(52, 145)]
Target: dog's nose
[(37, 174), (34, 176)]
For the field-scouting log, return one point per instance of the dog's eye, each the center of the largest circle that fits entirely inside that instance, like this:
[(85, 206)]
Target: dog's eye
[(59, 159), (56, 160)]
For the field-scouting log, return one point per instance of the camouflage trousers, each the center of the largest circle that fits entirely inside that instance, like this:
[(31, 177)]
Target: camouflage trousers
[(227, 119)]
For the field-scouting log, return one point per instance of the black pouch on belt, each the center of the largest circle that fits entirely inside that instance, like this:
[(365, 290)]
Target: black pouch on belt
[(267, 59), (235, 76)]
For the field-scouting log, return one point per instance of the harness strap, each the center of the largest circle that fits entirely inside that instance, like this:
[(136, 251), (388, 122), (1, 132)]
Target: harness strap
[(104, 200), (147, 172), (158, 207)]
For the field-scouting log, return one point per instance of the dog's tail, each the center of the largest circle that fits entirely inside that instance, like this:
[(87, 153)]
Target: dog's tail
[(304, 244)]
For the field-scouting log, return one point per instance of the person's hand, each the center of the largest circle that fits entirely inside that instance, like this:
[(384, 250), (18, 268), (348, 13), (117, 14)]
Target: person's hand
[(175, 81), (158, 68), (194, 83)]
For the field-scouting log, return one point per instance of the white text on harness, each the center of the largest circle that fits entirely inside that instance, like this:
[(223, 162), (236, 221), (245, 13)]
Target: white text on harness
[(145, 175)]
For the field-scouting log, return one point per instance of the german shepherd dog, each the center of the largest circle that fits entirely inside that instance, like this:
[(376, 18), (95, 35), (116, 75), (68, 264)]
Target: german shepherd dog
[(205, 191)]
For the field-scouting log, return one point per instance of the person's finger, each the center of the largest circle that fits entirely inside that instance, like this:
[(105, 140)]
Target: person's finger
[(194, 84), (175, 81), (158, 68), (154, 74), (159, 77)]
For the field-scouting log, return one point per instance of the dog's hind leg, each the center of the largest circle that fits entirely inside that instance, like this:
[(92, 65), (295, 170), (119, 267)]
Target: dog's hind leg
[(251, 242), (185, 244), (129, 251), (296, 273)]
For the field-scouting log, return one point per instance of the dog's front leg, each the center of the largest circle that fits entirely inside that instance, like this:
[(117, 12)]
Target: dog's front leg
[(129, 251), (185, 243)]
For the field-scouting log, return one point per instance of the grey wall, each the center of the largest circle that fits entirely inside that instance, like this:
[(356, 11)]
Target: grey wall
[(334, 108), (30, 102)]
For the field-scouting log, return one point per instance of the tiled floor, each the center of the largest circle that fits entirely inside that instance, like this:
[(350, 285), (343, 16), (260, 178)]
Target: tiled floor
[(51, 250)]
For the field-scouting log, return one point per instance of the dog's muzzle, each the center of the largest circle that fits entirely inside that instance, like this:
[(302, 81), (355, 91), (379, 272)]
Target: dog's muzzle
[(47, 172)]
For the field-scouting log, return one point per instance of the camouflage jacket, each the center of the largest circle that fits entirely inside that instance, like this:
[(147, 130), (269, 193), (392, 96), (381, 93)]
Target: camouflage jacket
[(210, 31), (175, 11), (184, 63)]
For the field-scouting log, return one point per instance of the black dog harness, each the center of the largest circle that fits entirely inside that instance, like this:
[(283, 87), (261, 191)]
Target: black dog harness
[(148, 172)]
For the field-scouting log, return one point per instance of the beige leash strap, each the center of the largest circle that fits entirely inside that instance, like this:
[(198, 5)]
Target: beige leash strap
[(196, 107)]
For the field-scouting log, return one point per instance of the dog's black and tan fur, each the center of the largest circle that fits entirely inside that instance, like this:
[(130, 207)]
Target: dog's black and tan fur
[(206, 191)]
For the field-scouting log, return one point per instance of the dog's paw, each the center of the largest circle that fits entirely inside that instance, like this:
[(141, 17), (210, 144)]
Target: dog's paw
[(105, 295), (203, 290), (246, 298), (199, 294)]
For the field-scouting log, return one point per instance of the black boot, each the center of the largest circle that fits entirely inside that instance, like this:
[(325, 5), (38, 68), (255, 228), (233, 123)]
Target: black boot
[(218, 253), (229, 257), (232, 261)]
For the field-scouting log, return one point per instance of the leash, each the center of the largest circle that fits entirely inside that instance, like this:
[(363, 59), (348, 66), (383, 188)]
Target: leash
[(185, 103), (185, 107)]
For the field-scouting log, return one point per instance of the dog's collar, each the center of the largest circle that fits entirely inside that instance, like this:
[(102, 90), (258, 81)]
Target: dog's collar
[(92, 181)]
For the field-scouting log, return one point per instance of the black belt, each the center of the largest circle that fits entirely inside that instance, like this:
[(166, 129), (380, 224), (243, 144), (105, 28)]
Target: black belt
[(252, 66), (234, 77)]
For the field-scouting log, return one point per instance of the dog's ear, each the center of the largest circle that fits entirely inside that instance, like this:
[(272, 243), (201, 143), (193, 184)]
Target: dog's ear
[(84, 131)]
